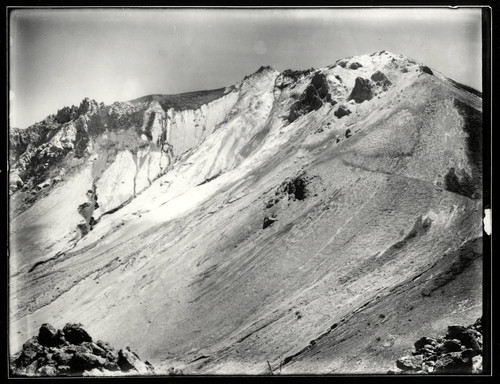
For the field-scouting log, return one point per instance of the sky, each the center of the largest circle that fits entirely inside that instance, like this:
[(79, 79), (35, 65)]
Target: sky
[(60, 56)]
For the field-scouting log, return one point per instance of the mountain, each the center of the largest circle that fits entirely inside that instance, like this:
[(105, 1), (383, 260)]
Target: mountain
[(313, 221)]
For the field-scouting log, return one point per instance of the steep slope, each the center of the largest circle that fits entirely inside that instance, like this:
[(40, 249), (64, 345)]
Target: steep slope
[(307, 195)]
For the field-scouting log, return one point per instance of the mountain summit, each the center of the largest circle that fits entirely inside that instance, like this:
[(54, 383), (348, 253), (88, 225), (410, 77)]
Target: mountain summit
[(310, 221)]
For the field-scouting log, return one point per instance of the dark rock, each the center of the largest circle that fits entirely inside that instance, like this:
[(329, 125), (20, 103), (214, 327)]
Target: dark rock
[(72, 349), (466, 336), (355, 65), (478, 325), (126, 360), (75, 334), (111, 366), (85, 361), (104, 345), (72, 359), (112, 355), (453, 363), (59, 339), (362, 90), (85, 106), (410, 363), (468, 353), (348, 133), (62, 357), (342, 111), (419, 344), (459, 181), (451, 346), (64, 370), (316, 94), (426, 69), (97, 350), (342, 63), (30, 352), (63, 115), (381, 79), (268, 221), (46, 335)]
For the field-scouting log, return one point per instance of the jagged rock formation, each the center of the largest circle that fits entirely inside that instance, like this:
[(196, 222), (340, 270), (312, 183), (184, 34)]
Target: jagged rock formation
[(316, 94), (362, 90), (71, 352), (459, 352), (381, 80), (376, 229)]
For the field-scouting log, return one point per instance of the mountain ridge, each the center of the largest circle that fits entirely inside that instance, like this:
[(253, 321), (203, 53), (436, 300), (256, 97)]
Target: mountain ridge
[(286, 204)]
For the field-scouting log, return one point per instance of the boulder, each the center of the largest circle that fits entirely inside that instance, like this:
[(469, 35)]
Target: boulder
[(62, 357), (96, 349), (75, 334), (47, 335), (84, 361), (466, 336), (342, 63), (128, 360), (410, 363), (30, 352), (63, 115), (452, 345), (453, 363), (381, 79), (342, 111), (426, 69), (362, 90), (355, 65)]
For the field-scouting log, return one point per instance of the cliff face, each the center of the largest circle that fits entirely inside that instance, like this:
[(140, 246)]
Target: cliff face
[(234, 227)]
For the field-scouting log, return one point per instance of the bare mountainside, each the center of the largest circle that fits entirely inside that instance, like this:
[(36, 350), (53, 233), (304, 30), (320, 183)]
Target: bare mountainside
[(313, 221)]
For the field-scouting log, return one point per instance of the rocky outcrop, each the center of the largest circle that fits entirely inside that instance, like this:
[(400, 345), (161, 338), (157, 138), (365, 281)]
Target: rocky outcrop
[(381, 80), (66, 114), (72, 352), (426, 69), (459, 352), (362, 90), (355, 65), (316, 94), (292, 189), (289, 77), (158, 127), (342, 111), (86, 210)]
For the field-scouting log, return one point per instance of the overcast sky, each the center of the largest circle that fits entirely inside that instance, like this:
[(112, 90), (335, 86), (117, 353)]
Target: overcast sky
[(58, 57)]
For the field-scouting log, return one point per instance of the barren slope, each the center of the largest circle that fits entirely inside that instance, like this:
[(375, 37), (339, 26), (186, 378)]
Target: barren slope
[(281, 221)]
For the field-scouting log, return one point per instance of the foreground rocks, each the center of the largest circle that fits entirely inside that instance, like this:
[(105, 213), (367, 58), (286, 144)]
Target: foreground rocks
[(72, 352), (459, 352)]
